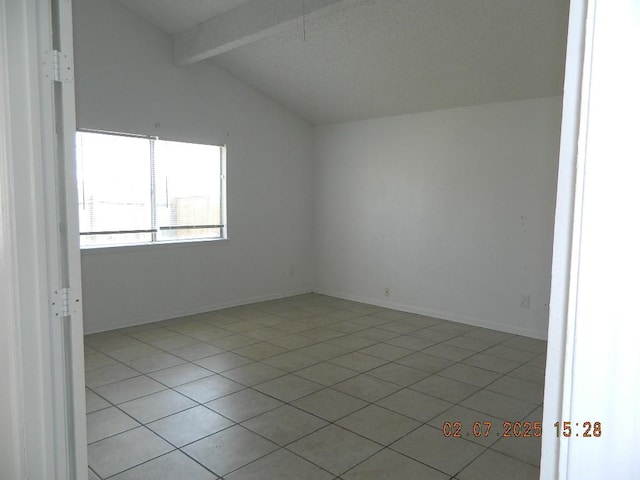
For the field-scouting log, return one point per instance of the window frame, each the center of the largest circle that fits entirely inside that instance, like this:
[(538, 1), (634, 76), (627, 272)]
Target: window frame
[(155, 229)]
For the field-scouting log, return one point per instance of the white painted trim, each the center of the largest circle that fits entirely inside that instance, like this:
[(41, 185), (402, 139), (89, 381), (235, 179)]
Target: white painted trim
[(52, 223), (134, 322), (604, 365), (69, 246), (30, 277), (12, 445), (562, 314), (593, 364), (32, 249), (142, 247), (474, 321)]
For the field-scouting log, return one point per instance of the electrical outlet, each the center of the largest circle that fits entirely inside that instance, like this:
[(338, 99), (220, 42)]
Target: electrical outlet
[(525, 301), (387, 292)]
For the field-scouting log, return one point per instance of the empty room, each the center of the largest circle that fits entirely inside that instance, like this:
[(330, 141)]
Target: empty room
[(368, 296), (341, 239)]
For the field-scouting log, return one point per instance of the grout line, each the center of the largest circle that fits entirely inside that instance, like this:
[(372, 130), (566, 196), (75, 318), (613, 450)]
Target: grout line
[(319, 361)]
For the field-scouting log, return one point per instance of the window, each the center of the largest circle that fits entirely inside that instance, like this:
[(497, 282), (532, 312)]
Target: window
[(134, 189)]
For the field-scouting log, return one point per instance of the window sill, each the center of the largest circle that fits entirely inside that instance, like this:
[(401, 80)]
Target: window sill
[(102, 249)]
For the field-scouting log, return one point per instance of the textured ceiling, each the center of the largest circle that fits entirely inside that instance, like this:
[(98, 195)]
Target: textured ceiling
[(384, 57), (174, 16)]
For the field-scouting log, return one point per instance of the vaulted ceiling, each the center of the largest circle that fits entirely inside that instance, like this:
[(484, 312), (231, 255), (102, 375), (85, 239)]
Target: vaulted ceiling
[(339, 60)]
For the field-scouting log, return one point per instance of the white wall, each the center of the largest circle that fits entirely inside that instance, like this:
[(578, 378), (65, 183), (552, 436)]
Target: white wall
[(126, 81), (452, 210)]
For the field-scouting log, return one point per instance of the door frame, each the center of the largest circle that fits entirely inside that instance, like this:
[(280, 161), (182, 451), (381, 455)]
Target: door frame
[(39, 252), (593, 365), (562, 318)]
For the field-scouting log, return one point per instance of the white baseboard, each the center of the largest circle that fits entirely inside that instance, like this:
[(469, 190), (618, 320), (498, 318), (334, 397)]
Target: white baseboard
[(476, 322)]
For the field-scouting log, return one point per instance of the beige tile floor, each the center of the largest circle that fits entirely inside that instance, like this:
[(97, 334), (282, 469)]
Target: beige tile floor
[(310, 387)]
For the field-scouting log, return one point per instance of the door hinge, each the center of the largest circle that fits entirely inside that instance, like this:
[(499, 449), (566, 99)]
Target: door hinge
[(57, 66), (64, 302)]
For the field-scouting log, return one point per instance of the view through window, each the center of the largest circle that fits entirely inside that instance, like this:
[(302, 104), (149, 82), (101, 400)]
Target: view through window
[(134, 189)]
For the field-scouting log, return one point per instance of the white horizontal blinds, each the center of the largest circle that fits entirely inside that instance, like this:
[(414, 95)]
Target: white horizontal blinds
[(188, 190), (113, 189), (134, 189)]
